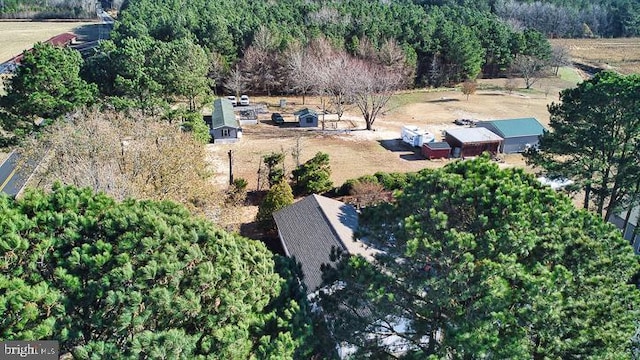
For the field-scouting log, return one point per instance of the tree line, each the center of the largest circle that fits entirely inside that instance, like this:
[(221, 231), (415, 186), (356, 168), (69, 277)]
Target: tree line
[(48, 9), (445, 44), (574, 19)]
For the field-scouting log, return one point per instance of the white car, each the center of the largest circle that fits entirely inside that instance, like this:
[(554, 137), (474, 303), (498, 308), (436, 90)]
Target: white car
[(244, 100), (233, 100)]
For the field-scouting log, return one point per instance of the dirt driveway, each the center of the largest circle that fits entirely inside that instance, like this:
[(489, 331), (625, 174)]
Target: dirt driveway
[(355, 152)]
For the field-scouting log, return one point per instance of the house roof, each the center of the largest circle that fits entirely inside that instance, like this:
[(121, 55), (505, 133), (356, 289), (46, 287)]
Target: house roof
[(516, 127), (474, 135), (304, 112), (223, 115), (311, 227), (62, 39)]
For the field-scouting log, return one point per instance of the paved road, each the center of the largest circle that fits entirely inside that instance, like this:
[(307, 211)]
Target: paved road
[(14, 174)]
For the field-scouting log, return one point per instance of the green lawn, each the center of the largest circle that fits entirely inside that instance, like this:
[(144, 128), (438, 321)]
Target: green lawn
[(569, 74)]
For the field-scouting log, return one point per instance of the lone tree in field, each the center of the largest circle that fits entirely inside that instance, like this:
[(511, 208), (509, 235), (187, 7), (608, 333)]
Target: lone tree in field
[(469, 88), (139, 279), (372, 87), (480, 262), (530, 68)]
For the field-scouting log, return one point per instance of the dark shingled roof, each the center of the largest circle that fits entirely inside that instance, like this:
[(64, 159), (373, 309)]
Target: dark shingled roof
[(304, 112), (310, 228)]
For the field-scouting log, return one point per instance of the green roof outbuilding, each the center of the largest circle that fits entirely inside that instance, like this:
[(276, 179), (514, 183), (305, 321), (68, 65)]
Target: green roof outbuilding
[(224, 127), (223, 115), (518, 134)]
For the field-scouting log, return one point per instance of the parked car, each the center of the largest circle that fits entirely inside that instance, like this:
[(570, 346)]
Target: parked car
[(244, 100), (233, 100), (463, 122), (277, 118)]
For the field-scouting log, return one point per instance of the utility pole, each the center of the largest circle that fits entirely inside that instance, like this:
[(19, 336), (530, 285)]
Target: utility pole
[(230, 167)]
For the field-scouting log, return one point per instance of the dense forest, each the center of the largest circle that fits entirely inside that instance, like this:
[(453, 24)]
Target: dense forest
[(555, 18), (442, 45)]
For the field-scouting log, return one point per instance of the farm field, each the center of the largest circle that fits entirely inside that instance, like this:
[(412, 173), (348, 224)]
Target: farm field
[(17, 36), (620, 54)]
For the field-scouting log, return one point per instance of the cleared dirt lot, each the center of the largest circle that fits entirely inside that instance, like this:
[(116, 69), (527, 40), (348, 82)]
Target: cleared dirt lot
[(355, 152)]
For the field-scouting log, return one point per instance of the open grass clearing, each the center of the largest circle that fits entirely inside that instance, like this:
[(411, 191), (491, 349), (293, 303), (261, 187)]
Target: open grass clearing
[(17, 36)]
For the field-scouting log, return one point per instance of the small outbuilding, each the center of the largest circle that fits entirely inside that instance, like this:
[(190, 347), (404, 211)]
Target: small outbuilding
[(436, 150), (307, 118), (224, 126), (518, 134), (472, 141)]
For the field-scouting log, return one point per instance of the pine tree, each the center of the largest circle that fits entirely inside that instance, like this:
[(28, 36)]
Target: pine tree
[(279, 196)]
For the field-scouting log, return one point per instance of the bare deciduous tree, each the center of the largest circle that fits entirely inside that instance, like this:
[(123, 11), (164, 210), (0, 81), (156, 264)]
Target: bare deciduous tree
[(236, 82), (368, 194), (262, 64), (559, 57), (510, 85), (393, 57), (217, 69), (530, 68), (301, 68), (372, 87)]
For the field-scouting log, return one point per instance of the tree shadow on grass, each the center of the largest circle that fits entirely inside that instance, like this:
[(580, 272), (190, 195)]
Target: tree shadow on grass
[(441, 100), (93, 32)]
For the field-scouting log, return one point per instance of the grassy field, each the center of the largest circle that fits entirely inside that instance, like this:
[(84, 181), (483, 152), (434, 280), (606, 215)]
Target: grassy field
[(622, 54), (17, 36)]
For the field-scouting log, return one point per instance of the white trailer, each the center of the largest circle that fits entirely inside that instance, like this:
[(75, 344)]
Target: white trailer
[(414, 136)]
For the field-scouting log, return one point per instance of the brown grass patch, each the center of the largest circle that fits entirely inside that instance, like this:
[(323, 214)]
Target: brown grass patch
[(15, 37), (620, 54)]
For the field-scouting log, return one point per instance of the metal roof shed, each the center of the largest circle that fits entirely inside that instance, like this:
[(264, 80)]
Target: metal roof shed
[(518, 134), (224, 125), (472, 141), (307, 118)]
